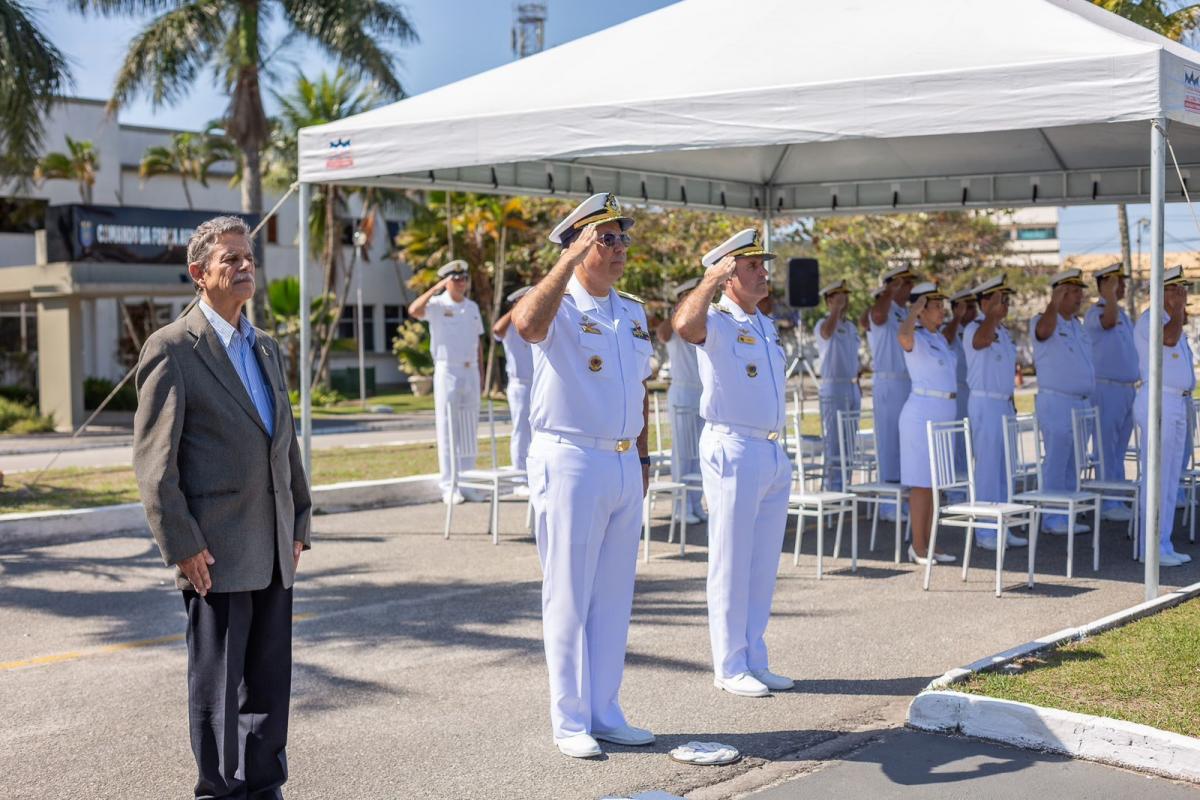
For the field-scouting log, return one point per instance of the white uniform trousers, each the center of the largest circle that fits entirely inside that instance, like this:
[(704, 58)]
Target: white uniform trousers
[(1115, 411), (1174, 439), (686, 424), (1058, 467), (587, 507), (518, 411), (843, 398), (889, 400), (987, 443), (458, 386), (746, 482)]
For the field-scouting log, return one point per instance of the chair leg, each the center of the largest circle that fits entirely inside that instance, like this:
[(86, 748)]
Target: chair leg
[(1096, 537), (874, 521), (933, 528), (1001, 539), (853, 536), (1029, 579), (529, 515), (820, 540), (671, 527), (683, 523), (1135, 525), (967, 551), (646, 527), (906, 524), (1070, 544), (837, 539), (495, 512), (799, 535), (450, 508), (1034, 528)]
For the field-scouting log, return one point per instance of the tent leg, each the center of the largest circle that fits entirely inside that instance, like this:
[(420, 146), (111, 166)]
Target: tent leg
[(1154, 495), (305, 337)]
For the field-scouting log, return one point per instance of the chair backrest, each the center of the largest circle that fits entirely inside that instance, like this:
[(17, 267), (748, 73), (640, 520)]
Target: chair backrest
[(1022, 459), (945, 473), (1133, 453), (464, 442), (856, 449), (1193, 426), (685, 438), (1089, 447), (657, 422)]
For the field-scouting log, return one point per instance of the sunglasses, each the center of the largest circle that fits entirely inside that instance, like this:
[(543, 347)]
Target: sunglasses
[(458, 276), (611, 239)]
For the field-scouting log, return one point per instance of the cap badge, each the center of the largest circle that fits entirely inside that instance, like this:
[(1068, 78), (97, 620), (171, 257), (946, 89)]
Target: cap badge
[(611, 203)]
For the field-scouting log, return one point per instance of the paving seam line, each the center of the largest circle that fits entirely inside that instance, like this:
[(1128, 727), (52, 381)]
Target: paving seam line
[(938, 708)]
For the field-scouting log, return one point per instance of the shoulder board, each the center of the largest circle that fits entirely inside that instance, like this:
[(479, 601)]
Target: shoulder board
[(721, 308), (632, 297)]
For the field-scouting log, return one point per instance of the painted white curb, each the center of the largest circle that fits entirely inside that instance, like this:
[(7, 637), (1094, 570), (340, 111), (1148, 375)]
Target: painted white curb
[(50, 527), (1110, 741)]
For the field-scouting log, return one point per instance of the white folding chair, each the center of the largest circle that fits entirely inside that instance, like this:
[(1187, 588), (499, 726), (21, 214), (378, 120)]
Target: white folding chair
[(1022, 437), (945, 476), (464, 446), (685, 435), (860, 470), (1191, 471), (677, 491), (819, 505), (659, 456), (1089, 468)]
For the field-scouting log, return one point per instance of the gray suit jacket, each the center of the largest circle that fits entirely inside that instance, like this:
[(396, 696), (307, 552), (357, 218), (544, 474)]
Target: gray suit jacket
[(209, 475)]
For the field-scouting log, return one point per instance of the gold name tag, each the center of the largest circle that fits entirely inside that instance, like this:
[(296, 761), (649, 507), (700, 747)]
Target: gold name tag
[(747, 340)]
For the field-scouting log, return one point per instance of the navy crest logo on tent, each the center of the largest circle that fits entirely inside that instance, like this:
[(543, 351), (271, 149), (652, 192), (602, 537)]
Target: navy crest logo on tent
[(87, 232)]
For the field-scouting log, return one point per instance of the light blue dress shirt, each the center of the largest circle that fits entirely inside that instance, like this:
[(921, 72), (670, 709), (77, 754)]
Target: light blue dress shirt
[(1114, 354), (239, 346)]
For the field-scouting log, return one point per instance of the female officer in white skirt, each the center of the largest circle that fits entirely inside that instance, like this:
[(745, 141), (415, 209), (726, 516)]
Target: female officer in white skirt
[(991, 357), (931, 365), (683, 397)]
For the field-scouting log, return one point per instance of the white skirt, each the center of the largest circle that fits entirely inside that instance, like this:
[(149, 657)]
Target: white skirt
[(914, 438)]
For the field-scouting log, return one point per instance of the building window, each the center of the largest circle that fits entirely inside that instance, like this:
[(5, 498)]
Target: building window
[(346, 327), (138, 321), (18, 328), (21, 215), (393, 318), (273, 230), (1036, 234)]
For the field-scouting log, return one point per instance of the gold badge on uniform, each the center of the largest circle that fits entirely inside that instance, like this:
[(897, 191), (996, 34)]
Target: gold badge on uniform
[(744, 337), (639, 332), (595, 363), (447, 313), (752, 370), (587, 326)]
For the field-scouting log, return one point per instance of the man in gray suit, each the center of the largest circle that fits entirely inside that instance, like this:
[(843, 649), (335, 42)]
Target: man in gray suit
[(219, 471)]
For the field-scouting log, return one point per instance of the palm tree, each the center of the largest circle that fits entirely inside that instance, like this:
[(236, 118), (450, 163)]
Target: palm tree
[(78, 164), (231, 35), (33, 77), (1174, 24), (190, 156)]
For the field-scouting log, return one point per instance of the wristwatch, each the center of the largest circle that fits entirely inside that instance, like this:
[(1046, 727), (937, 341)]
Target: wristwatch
[(645, 460)]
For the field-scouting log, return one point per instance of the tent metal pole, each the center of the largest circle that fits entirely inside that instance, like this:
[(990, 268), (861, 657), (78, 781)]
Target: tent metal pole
[(1153, 444), (305, 337)]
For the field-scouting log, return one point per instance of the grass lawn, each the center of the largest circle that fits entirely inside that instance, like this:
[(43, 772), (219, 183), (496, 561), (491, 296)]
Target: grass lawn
[(99, 486), (401, 403), (1146, 672)]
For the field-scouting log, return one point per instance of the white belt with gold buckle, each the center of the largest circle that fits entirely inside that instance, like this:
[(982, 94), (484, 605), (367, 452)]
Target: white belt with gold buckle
[(745, 430), (591, 442)]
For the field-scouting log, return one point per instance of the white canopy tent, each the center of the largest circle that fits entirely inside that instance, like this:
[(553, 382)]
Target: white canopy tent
[(802, 107)]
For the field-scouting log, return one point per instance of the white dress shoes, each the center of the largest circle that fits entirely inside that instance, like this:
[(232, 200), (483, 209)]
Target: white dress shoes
[(627, 735), (1170, 560), (940, 558), (1116, 513), (581, 745), (743, 685), (521, 490), (693, 518), (455, 499), (776, 683)]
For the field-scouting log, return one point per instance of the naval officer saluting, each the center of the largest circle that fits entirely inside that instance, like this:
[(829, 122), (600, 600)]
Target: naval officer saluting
[(1062, 356), (1178, 382), (1116, 360), (891, 383), (454, 330), (591, 357), (683, 396), (747, 472), (837, 358), (518, 364)]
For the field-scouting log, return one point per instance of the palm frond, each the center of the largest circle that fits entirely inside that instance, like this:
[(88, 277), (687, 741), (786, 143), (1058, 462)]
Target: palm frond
[(34, 75)]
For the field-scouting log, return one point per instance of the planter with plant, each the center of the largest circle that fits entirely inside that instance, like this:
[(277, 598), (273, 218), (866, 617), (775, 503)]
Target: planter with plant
[(411, 348)]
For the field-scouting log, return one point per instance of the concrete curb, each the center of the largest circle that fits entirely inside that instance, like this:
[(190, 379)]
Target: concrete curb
[(940, 709), (56, 527)]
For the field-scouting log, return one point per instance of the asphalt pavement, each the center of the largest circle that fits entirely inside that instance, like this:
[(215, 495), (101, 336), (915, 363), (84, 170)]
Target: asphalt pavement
[(419, 670)]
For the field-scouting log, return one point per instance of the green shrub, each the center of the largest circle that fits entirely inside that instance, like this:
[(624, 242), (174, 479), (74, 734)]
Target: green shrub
[(96, 389), (411, 349), (321, 396), (21, 418), (19, 394)]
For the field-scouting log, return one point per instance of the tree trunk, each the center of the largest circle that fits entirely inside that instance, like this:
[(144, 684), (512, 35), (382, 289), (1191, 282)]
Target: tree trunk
[(490, 376), (252, 204), (186, 194), (1127, 260)]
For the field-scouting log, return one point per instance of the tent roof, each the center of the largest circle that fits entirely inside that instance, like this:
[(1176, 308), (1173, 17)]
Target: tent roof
[(802, 105)]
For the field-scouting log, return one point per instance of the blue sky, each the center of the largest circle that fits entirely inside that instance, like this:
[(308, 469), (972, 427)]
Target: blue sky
[(460, 38)]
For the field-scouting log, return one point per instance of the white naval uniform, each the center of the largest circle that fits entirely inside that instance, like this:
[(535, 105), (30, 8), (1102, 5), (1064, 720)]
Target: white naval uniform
[(518, 364), (990, 375), (683, 398), (837, 361), (1066, 380), (1179, 379), (454, 330), (1115, 358), (932, 365), (891, 387), (585, 485), (962, 397), (747, 476)]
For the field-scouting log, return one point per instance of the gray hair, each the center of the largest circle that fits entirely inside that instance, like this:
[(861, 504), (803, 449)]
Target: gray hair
[(200, 245)]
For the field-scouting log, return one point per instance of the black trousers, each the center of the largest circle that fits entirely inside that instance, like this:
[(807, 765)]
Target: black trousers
[(239, 687)]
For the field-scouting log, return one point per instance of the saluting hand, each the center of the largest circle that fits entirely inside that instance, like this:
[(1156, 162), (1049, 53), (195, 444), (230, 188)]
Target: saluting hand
[(724, 268), (1108, 290), (195, 569), (578, 249), (837, 303), (1056, 296), (919, 305)]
